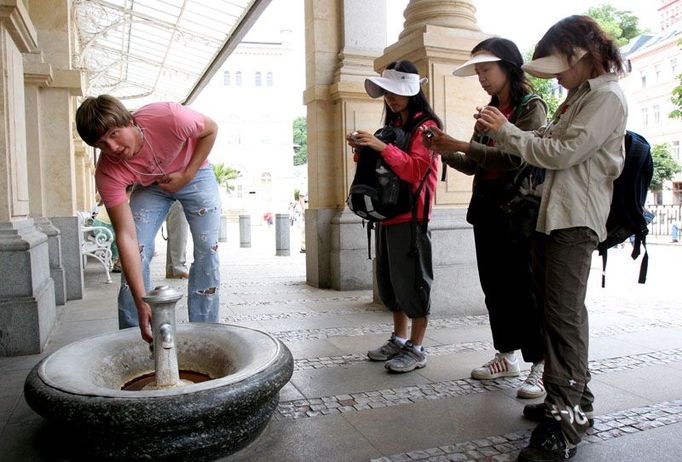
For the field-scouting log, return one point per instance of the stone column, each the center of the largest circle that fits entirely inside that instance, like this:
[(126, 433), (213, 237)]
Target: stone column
[(27, 302), (53, 24), (438, 36), (345, 36), (54, 244), (38, 75)]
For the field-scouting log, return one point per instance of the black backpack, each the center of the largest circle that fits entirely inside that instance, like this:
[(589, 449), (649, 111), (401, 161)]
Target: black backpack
[(627, 216), (377, 193)]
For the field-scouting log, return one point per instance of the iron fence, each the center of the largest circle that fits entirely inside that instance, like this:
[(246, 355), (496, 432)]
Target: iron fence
[(665, 216)]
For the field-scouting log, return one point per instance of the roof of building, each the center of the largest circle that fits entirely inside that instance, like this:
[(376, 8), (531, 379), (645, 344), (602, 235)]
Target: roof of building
[(647, 41)]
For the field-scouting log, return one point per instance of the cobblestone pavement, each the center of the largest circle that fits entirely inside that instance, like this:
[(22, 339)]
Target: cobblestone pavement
[(341, 407), (395, 396), (504, 448)]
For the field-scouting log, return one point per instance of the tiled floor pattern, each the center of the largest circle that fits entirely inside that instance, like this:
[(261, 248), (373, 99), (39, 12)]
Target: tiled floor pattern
[(329, 405), (505, 447), (385, 327), (259, 291)]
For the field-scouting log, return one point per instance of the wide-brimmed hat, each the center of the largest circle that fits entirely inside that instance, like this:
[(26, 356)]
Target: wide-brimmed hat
[(399, 83), (469, 67), (548, 66)]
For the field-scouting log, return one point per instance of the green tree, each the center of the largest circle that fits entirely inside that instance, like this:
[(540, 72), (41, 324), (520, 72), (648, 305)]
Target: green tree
[(224, 175), (665, 167), (677, 99), (544, 88), (300, 140), (620, 25)]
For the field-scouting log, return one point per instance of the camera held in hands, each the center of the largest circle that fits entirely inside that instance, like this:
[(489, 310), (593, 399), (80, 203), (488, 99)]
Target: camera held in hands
[(391, 135)]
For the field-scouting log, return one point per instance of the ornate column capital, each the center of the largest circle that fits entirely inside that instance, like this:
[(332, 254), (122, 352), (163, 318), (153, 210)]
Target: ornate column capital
[(36, 71), (456, 14), (15, 18)]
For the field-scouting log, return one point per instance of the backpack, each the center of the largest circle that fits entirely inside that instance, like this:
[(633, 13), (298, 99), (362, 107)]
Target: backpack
[(377, 193), (627, 216)]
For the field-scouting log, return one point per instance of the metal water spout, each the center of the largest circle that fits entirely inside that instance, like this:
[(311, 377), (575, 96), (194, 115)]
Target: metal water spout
[(162, 301)]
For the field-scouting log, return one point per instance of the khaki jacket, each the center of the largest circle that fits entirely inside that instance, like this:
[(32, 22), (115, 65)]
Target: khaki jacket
[(582, 150), (482, 160), (480, 155)]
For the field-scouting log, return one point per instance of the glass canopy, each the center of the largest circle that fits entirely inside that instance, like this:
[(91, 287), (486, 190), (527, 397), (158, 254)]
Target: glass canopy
[(152, 50)]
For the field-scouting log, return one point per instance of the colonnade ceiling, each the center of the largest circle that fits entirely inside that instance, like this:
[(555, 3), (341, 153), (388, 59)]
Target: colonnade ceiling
[(151, 50)]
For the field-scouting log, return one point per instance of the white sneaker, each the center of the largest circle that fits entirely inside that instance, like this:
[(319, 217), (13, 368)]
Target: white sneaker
[(499, 366), (533, 387)]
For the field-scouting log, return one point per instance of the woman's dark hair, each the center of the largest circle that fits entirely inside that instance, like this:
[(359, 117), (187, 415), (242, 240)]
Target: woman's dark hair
[(511, 63), (583, 32), (416, 104)]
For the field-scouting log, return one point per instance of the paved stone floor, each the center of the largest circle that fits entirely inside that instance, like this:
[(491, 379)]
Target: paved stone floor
[(341, 407)]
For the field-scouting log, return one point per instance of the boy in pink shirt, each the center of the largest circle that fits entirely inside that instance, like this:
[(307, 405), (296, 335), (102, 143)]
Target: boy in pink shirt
[(159, 152)]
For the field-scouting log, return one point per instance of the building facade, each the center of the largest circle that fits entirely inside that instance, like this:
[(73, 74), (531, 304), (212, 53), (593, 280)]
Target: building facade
[(654, 65), (255, 139)]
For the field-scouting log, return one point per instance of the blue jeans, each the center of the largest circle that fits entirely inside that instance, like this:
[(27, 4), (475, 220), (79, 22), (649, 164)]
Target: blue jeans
[(200, 200)]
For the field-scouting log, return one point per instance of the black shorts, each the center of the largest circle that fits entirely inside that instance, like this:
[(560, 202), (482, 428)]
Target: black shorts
[(404, 276)]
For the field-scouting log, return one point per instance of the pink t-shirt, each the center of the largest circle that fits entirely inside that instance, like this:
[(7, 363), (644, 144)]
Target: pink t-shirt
[(170, 132)]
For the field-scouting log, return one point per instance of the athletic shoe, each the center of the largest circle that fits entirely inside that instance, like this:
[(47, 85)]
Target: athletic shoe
[(499, 366), (547, 444), (533, 387), (408, 360), (386, 351), (537, 412)]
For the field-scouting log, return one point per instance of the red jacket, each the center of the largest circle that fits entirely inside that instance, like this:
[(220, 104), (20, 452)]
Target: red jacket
[(411, 167)]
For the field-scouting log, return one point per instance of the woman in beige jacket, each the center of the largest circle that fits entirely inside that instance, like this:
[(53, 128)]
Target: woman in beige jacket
[(582, 151)]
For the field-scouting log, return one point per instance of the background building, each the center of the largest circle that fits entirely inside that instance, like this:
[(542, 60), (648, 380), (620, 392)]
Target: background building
[(254, 138), (654, 63)]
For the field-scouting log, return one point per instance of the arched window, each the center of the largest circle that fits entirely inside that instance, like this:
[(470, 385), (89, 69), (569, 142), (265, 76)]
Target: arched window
[(238, 78), (226, 78), (258, 79), (268, 79)]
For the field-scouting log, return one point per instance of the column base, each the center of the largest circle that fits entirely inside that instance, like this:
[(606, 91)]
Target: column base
[(27, 300), (72, 260), (54, 244)]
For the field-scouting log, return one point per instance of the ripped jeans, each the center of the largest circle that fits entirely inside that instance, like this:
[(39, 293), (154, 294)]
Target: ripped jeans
[(200, 200)]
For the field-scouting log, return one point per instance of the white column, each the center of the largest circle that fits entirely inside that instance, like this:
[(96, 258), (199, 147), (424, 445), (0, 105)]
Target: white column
[(27, 301), (345, 37)]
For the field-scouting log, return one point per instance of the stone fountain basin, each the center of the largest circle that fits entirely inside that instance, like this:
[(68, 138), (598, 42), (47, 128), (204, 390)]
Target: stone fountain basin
[(78, 389)]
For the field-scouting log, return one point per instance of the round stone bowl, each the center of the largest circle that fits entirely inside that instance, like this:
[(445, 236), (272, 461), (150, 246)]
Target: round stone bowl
[(78, 390)]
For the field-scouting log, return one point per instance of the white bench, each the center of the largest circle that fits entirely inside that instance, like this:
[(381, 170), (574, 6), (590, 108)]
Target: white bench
[(96, 243)]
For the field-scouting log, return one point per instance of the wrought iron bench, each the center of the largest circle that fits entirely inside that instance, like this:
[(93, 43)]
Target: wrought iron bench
[(96, 243)]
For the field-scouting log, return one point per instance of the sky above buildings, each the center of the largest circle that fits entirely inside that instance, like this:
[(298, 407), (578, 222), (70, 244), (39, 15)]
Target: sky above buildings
[(522, 21), (525, 21)]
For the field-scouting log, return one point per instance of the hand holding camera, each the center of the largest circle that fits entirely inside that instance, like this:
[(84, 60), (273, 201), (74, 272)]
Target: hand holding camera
[(359, 139)]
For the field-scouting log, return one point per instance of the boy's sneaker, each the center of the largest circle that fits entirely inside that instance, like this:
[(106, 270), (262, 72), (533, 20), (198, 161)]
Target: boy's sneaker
[(533, 387), (408, 360), (537, 412), (499, 366), (547, 444), (386, 351)]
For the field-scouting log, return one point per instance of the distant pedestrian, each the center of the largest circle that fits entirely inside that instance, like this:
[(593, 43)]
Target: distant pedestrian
[(676, 232), (176, 243)]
